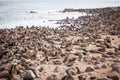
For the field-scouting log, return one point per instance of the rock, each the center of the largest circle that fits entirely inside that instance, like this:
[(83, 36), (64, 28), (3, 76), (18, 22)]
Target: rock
[(29, 75), (116, 68), (89, 69), (33, 12), (4, 74), (113, 75)]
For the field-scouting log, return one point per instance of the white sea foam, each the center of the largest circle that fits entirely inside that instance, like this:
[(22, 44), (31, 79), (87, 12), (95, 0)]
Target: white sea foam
[(16, 12)]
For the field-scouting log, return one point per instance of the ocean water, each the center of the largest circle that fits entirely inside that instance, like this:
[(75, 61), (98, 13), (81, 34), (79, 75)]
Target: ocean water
[(17, 12)]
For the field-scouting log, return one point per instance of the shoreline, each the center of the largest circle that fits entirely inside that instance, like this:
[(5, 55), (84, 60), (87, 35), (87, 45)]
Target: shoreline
[(88, 51)]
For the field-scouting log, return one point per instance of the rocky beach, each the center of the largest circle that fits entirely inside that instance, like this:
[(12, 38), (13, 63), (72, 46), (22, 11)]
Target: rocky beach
[(86, 48)]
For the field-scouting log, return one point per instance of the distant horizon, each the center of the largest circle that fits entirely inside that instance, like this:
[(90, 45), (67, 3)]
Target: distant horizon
[(63, 0)]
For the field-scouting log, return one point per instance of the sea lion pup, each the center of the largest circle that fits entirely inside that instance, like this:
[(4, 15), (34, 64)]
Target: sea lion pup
[(68, 76)]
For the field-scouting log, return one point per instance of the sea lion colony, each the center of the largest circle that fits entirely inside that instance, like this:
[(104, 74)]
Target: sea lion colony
[(41, 53)]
